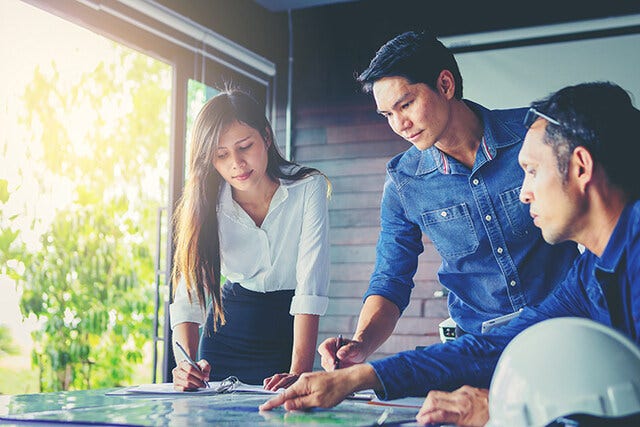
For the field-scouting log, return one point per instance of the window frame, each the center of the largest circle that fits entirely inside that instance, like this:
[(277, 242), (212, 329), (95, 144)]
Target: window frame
[(157, 31)]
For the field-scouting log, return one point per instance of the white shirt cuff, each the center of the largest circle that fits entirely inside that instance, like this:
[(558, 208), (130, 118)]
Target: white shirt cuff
[(309, 304)]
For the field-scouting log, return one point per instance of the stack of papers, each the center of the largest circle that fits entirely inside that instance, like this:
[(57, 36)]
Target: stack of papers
[(216, 387), (167, 389)]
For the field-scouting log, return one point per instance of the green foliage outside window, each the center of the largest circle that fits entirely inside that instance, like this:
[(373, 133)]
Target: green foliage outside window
[(90, 282)]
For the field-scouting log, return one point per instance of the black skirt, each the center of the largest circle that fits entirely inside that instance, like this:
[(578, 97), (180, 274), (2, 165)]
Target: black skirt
[(257, 338)]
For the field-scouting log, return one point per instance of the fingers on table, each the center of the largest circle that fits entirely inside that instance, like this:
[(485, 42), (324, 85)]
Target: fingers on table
[(274, 402)]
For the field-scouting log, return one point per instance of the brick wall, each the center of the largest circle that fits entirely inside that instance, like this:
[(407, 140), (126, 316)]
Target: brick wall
[(350, 143)]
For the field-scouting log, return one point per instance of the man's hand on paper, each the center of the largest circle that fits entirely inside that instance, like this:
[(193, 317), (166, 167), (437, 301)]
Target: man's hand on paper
[(349, 353)]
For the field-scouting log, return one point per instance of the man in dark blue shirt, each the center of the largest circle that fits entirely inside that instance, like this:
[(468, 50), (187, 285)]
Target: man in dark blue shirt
[(580, 184), (459, 185)]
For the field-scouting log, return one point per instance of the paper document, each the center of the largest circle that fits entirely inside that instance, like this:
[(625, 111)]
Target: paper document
[(406, 402), (167, 388), (216, 387)]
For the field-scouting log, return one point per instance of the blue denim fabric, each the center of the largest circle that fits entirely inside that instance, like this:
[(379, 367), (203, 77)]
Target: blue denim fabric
[(494, 260), (605, 289)]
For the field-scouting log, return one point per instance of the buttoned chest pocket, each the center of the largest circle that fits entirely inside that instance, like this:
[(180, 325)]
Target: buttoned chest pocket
[(451, 230), (517, 213)]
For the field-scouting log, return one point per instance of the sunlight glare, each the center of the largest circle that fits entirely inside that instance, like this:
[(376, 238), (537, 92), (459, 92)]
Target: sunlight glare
[(31, 38)]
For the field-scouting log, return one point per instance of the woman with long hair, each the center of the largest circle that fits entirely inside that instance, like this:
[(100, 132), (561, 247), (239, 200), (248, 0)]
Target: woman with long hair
[(261, 222)]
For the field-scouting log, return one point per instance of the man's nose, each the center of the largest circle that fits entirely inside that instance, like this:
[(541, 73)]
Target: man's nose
[(402, 123), (525, 195)]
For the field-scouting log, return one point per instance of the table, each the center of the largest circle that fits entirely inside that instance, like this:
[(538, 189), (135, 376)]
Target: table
[(96, 408)]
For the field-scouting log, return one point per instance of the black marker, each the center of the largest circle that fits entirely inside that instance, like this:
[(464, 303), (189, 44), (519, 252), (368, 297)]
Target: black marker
[(339, 343)]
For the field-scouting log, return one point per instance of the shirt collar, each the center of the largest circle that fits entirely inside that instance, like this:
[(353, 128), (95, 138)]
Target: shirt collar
[(613, 252), (497, 134), (226, 204), (229, 207)]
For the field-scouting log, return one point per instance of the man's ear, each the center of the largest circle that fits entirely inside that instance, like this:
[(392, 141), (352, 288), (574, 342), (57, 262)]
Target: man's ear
[(446, 84), (582, 166)]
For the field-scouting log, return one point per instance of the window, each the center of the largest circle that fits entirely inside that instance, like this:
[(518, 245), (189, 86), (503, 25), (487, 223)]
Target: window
[(190, 62)]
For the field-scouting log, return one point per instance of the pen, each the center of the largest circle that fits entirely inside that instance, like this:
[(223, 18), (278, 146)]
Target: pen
[(383, 417), (190, 361), (336, 363)]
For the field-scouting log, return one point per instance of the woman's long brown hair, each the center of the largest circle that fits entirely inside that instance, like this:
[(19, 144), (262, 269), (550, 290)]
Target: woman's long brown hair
[(197, 245)]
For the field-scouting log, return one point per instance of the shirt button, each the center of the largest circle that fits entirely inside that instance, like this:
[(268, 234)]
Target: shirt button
[(475, 181), (443, 214), (488, 217), (499, 250), (512, 283)]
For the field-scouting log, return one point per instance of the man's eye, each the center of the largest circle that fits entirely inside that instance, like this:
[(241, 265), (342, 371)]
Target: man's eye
[(406, 105), (531, 172)]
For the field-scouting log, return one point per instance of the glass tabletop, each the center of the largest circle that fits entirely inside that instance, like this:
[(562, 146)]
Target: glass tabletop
[(95, 407)]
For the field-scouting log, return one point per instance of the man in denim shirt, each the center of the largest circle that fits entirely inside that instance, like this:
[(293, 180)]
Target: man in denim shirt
[(581, 184), (459, 185)]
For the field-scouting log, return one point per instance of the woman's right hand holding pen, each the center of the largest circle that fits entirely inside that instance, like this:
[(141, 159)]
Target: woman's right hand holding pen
[(187, 377), (339, 352)]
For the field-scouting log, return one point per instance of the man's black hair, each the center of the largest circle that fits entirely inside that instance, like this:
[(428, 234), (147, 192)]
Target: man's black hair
[(417, 56)]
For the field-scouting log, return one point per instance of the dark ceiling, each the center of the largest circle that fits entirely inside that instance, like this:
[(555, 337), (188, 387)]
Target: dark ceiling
[(283, 5), (462, 17), (334, 39)]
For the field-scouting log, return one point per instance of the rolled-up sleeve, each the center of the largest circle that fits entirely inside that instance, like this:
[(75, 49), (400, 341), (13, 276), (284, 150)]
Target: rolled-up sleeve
[(182, 310), (312, 265)]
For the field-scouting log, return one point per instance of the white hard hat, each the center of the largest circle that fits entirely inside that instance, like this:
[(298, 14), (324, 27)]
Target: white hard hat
[(565, 366)]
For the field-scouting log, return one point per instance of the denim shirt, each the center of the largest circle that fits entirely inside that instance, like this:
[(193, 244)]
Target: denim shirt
[(494, 260), (605, 289)]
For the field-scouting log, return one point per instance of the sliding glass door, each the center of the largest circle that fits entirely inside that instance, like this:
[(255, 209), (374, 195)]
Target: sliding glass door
[(94, 117)]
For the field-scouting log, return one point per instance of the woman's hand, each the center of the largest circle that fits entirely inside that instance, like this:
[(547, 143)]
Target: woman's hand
[(278, 381), (186, 377)]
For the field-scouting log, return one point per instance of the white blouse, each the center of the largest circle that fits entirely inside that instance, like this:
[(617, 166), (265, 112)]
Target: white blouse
[(289, 251)]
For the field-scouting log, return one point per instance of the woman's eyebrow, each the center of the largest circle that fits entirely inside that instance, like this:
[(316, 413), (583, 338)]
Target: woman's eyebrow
[(235, 142), (242, 139)]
